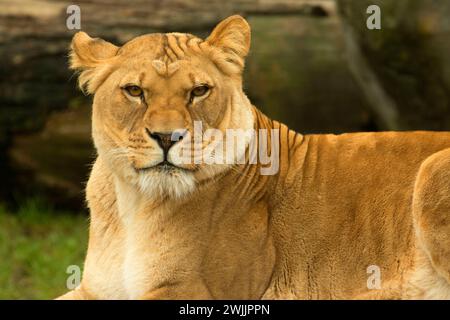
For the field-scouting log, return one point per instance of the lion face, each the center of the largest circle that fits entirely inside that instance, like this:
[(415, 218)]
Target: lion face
[(155, 93)]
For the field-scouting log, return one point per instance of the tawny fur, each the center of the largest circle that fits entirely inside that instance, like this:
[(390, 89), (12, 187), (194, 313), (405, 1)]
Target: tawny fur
[(338, 204)]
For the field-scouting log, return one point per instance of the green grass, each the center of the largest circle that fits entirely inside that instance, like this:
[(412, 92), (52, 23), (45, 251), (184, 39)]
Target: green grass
[(37, 244)]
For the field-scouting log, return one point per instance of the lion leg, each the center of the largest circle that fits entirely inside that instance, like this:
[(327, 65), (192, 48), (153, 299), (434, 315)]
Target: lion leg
[(431, 211), (195, 290), (76, 294)]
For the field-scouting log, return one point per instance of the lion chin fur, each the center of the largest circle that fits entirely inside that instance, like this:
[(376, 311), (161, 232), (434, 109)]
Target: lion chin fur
[(351, 216), (175, 185)]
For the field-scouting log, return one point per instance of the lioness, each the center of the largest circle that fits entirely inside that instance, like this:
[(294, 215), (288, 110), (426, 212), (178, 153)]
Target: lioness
[(339, 211)]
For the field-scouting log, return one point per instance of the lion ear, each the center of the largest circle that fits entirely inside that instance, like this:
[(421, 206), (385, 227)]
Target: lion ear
[(233, 36), (87, 52), (90, 57)]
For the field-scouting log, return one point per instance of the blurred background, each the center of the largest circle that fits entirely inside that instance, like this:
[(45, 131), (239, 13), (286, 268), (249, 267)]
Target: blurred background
[(313, 65)]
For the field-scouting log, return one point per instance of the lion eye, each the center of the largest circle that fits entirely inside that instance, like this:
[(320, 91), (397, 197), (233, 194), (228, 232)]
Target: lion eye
[(134, 91), (199, 91)]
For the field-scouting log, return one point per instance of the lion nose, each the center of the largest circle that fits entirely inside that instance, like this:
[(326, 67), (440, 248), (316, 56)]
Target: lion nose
[(165, 140)]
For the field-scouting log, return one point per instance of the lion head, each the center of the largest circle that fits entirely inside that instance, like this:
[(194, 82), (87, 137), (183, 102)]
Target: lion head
[(150, 93)]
